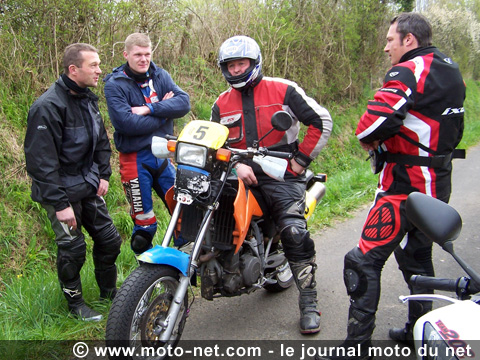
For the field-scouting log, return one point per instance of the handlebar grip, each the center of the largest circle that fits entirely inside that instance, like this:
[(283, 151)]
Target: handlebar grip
[(280, 154), (171, 137), (434, 283)]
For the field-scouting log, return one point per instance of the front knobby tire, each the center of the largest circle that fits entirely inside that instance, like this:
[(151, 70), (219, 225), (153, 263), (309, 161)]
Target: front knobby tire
[(139, 307)]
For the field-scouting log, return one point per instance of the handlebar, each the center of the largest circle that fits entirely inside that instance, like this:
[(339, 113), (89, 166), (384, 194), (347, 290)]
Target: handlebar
[(251, 152), (279, 154), (462, 286), (434, 283)]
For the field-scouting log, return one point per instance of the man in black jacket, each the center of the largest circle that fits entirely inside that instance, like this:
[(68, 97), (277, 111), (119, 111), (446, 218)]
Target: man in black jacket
[(68, 158)]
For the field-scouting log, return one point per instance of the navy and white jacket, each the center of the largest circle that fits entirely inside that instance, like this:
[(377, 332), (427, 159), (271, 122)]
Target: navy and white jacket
[(134, 132)]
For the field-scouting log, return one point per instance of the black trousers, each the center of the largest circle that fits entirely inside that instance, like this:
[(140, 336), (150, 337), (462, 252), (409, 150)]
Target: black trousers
[(285, 202), (386, 231), (91, 213)]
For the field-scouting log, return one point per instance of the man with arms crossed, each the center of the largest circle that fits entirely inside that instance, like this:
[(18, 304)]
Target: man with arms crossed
[(142, 102)]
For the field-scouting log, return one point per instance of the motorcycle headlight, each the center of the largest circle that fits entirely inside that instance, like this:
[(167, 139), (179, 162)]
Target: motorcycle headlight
[(193, 155), (433, 344)]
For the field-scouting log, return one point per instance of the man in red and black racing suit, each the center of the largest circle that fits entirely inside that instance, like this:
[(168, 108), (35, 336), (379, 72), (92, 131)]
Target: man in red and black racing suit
[(246, 109), (414, 122)]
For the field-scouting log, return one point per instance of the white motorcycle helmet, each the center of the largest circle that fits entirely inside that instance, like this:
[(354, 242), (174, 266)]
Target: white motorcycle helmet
[(240, 47)]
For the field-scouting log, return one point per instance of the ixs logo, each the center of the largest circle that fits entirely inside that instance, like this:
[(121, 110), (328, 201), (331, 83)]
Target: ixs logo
[(393, 73), (229, 120), (451, 111), (448, 61)]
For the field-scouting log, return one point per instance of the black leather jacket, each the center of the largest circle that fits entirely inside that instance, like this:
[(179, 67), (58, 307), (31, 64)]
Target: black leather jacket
[(67, 149)]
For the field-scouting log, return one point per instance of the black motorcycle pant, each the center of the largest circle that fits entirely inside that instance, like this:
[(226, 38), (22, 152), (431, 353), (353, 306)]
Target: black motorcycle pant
[(286, 203), (386, 230), (91, 213)]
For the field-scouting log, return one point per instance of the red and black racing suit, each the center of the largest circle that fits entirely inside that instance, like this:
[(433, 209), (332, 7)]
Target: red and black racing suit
[(418, 118), (247, 114)]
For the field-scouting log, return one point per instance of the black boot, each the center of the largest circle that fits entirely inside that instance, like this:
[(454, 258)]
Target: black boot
[(304, 275), (403, 335), (416, 309), (107, 282), (76, 304), (359, 338)]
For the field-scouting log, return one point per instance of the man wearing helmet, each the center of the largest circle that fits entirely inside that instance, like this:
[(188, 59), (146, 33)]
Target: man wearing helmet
[(246, 109)]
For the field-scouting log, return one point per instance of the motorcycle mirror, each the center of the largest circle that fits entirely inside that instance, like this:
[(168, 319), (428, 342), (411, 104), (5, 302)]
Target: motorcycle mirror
[(281, 120), (439, 221)]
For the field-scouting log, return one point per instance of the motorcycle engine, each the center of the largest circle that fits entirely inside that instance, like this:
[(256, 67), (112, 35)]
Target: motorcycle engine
[(251, 268)]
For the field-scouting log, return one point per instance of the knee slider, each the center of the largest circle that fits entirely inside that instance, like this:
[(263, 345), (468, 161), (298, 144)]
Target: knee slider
[(141, 241), (297, 243), (354, 278), (353, 282)]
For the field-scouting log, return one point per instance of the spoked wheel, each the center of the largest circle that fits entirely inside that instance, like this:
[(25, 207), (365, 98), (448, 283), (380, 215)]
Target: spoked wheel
[(139, 310)]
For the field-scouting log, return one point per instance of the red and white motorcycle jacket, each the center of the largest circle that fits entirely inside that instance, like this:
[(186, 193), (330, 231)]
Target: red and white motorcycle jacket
[(418, 117), (247, 114)]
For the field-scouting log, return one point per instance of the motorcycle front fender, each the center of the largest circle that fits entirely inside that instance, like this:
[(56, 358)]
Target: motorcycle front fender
[(160, 255)]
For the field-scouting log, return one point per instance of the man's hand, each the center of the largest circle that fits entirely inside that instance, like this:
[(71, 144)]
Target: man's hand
[(168, 95), (102, 188), (245, 173), (67, 216), (145, 110), (141, 110), (296, 167)]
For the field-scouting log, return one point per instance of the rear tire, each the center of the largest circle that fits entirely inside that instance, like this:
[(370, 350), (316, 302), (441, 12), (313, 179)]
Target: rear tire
[(138, 308)]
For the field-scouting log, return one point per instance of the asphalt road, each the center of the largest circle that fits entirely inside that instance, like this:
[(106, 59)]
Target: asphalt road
[(265, 316)]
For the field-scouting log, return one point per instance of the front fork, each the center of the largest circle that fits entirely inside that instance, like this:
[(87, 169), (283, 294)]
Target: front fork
[(184, 281), (174, 309)]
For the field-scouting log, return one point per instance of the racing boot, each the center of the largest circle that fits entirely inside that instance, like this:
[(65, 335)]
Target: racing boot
[(403, 335), (76, 304), (304, 276), (359, 332), (416, 309)]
